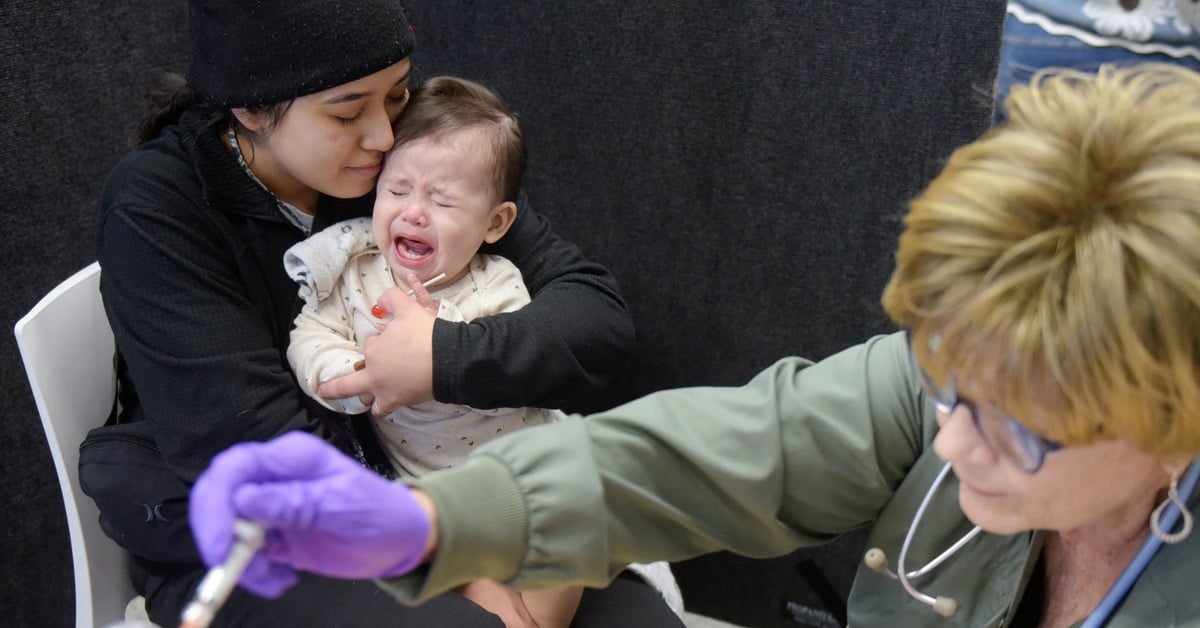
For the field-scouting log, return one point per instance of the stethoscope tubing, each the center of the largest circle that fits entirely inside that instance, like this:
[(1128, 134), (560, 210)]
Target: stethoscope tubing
[(1111, 599), (902, 575), (1138, 563)]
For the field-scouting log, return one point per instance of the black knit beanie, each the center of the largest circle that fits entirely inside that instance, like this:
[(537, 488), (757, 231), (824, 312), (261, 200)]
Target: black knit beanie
[(259, 52)]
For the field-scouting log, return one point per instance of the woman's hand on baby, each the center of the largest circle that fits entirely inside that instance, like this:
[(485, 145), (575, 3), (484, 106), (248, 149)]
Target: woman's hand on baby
[(398, 363), (421, 293), (417, 291), (400, 358), (323, 512)]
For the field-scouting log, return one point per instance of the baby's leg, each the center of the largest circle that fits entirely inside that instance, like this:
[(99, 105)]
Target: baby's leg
[(498, 599), (553, 608)]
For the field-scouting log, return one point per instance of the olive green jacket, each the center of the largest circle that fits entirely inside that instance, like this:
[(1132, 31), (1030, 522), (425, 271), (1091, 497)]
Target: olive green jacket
[(794, 458)]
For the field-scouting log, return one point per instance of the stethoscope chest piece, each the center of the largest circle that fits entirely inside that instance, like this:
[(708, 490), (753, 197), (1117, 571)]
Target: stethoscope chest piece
[(876, 560)]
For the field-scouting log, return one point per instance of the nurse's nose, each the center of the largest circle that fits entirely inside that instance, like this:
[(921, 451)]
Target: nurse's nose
[(958, 439)]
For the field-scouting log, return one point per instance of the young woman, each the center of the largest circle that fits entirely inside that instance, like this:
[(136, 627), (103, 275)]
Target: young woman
[(280, 130)]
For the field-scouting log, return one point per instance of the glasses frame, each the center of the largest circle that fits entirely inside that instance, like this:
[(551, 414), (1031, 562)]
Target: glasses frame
[(1013, 442)]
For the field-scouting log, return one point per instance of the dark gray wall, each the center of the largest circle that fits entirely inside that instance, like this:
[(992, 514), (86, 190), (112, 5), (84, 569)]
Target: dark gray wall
[(72, 73), (740, 166)]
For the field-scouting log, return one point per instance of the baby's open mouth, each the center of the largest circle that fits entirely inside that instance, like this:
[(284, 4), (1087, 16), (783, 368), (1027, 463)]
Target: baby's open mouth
[(412, 249)]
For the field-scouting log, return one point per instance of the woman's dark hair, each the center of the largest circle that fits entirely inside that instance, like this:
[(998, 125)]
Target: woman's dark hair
[(168, 98), (171, 96)]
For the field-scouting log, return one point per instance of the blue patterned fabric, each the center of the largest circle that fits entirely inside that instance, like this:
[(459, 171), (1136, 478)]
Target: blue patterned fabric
[(1083, 34), (1170, 27)]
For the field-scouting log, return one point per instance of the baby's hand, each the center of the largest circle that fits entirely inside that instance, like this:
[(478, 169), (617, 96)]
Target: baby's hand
[(493, 596)]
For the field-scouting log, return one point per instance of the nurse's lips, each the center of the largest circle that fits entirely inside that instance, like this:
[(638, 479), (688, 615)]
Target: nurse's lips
[(972, 488)]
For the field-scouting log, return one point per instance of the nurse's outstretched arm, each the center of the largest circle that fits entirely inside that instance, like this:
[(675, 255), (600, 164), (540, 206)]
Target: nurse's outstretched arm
[(324, 513)]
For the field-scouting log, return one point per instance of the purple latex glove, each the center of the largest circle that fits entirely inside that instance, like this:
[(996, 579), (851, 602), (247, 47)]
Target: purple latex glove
[(324, 513)]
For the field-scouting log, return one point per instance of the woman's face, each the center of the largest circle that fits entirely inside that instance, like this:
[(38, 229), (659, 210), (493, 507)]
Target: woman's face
[(330, 142), (1106, 483)]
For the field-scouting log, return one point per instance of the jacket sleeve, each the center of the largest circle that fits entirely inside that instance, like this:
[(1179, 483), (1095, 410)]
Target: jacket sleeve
[(560, 351), (206, 359), (797, 456)]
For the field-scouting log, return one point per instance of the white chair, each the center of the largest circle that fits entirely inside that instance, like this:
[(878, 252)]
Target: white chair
[(67, 347)]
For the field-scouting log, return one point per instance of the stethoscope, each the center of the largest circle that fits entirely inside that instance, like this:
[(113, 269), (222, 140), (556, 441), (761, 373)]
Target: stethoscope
[(947, 606)]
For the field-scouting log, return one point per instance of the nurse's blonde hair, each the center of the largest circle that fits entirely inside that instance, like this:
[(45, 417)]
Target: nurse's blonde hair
[(1055, 262)]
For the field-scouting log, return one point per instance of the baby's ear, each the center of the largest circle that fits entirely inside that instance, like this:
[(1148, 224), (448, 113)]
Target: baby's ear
[(503, 216)]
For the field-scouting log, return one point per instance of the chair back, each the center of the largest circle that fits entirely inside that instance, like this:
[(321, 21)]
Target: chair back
[(67, 347)]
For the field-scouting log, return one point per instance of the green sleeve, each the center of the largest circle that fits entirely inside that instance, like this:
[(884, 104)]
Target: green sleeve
[(795, 457)]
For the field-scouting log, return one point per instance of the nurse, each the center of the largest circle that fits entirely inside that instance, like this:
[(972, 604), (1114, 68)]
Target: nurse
[(1048, 285)]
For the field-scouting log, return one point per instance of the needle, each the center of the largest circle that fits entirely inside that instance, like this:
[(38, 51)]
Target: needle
[(218, 583)]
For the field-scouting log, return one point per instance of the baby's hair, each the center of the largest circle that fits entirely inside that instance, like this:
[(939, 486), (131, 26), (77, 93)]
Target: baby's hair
[(443, 104)]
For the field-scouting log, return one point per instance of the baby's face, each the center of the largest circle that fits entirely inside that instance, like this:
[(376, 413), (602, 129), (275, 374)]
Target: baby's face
[(434, 204)]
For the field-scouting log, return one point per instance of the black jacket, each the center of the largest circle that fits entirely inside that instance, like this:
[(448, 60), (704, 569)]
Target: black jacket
[(193, 283)]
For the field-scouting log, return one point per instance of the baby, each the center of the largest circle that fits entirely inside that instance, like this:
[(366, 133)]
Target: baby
[(448, 185)]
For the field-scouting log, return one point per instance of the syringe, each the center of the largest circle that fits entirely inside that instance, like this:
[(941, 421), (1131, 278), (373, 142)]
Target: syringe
[(217, 584)]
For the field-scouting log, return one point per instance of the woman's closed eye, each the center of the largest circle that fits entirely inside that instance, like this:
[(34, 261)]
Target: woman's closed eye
[(350, 120)]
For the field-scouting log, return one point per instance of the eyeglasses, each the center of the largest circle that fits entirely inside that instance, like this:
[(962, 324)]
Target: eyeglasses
[(1014, 442)]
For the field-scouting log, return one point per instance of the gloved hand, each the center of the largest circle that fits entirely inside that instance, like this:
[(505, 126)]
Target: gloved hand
[(324, 513)]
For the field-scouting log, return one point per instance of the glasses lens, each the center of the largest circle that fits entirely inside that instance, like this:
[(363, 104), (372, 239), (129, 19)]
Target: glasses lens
[(1012, 441)]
